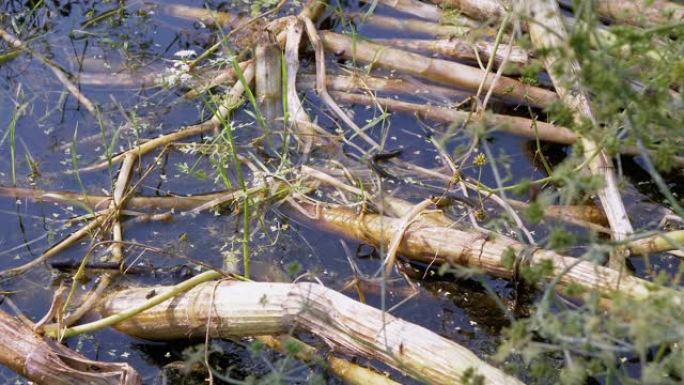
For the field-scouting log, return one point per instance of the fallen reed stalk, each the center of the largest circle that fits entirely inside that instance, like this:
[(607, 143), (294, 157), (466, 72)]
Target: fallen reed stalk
[(236, 309), (359, 81), (511, 124), (349, 372), (548, 34), (46, 362), (463, 49), (515, 125), (321, 87), (478, 9), (93, 225), (116, 205), (419, 26), (446, 72), (415, 8), (231, 100), (426, 242), (641, 12), (59, 74), (95, 202)]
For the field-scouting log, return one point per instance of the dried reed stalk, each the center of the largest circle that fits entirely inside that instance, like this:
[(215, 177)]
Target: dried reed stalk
[(235, 309), (415, 8), (455, 74), (515, 125), (268, 81), (548, 34), (477, 9), (511, 124), (426, 241), (59, 74), (359, 81), (463, 49), (99, 201), (230, 101), (46, 362), (349, 372), (641, 12), (420, 26)]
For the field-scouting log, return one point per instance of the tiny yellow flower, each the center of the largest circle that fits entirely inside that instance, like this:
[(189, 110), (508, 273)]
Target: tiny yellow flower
[(480, 160)]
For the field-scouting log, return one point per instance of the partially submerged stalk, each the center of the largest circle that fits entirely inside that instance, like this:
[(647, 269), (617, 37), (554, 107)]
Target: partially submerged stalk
[(46, 362), (462, 49), (236, 309), (443, 71), (433, 244), (349, 372), (548, 34)]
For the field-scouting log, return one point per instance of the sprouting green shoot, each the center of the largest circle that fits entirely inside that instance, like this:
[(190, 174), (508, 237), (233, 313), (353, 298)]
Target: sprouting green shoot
[(252, 99)]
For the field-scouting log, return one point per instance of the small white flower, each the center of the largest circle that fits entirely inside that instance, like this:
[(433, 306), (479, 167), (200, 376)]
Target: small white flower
[(185, 78), (185, 53)]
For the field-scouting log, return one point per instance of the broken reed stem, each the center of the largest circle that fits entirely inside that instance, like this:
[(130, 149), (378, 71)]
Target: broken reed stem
[(236, 309), (443, 71), (515, 125), (417, 8), (359, 81), (511, 124), (673, 240), (59, 74), (45, 362), (548, 34), (117, 204), (95, 202), (425, 242), (321, 87), (230, 101), (419, 26), (296, 115), (349, 372), (64, 244), (641, 12), (406, 220), (462, 49)]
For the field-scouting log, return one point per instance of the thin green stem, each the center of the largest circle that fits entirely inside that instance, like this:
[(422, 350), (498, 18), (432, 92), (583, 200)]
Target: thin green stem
[(154, 301)]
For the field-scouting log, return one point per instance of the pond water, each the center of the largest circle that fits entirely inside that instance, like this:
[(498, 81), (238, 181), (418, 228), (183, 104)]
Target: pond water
[(46, 134)]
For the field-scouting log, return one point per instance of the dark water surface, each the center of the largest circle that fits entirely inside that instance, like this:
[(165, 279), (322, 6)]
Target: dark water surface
[(54, 135)]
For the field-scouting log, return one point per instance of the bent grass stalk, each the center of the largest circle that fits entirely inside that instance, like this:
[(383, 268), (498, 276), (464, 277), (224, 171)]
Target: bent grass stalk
[(156, 300)]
